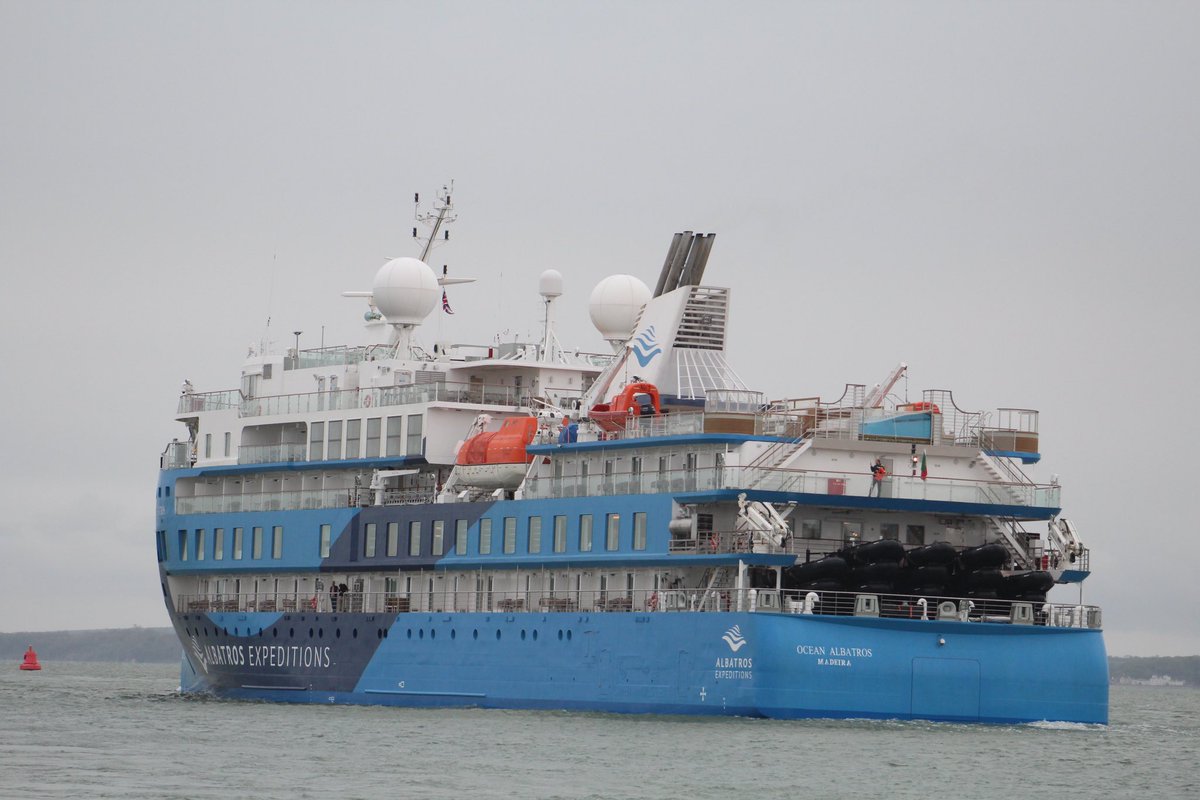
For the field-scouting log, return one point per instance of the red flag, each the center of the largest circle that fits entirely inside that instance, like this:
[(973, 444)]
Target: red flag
[(924, 467)]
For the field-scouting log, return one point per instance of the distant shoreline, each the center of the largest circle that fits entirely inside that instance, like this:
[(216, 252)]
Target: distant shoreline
[(160, 646)]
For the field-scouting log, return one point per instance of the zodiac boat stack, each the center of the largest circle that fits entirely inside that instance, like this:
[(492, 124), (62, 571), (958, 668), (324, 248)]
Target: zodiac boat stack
[(519, 525)]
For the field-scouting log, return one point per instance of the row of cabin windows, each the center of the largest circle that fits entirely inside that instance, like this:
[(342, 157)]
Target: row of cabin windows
[(387, 540), (852, 531), (193, 545), (326, 441)]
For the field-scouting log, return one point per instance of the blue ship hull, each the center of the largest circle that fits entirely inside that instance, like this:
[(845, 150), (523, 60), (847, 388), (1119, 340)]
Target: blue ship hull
[(731, 663)]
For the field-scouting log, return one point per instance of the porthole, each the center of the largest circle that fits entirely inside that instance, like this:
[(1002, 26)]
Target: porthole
[(275, 632), (354, 633), (379, 633), (568, 636), (291, 633), (475, 633), (497, 634), (522, 634), (385, 633), (453, 634), (421, 633), (560, 634), (337, 633), (535, 634), (320, 633), (410, 633), (310, 633), (433, 633)]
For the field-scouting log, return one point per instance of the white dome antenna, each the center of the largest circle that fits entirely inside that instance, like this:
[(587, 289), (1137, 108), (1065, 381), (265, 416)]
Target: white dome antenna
[(614, 307), (550, 287)]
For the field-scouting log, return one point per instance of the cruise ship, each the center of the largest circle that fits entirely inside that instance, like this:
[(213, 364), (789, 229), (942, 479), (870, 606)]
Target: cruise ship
[(519, 524)]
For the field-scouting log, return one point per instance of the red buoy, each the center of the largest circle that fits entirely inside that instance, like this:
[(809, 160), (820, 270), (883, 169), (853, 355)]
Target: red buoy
[(30, 661)]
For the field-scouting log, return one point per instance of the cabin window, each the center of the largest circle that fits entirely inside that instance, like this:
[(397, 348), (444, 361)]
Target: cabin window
[(218, 544), (326, 536), (369, 540), (335, 439), (585, 533), (612, 539), (460, 537), (183, 545), (510, 534), (810, 529), (439, 538), (560, 534), (639, 530), (199, 544), (629, 585), (160, 538), (256, 544), (485, 537), (316, 441), (373, 427), (353, 430), (414, 434), (395, 439), (915, 534), (535, 534), (228, 443), (237, 544), (393, 539), (277, 542), (889, 530), (414, 538)]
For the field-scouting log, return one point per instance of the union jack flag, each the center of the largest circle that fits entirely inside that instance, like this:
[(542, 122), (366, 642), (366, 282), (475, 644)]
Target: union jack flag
[(446, 303)]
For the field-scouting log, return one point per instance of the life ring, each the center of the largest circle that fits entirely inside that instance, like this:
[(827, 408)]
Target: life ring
[(714, 542), (367, 401), (653, 602), (312, 603)]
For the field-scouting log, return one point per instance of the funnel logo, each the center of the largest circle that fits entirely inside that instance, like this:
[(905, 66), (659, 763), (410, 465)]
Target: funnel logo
[(645, 346), (733, 637), (198, 652)]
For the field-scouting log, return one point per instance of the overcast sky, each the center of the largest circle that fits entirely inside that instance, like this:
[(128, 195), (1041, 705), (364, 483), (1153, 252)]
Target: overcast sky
[(1005, 195)]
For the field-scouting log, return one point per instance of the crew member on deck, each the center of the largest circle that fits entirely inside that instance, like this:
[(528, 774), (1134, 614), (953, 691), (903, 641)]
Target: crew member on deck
[(878, 472)]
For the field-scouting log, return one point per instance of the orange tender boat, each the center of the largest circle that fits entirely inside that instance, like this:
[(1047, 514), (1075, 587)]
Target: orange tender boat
[(612, 416), (497, 459)]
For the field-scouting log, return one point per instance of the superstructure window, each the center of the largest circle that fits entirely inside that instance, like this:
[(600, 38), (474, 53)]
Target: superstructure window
[(415, 432), (353, 431), (228, 443), (810, 529), (535, 534), (335, 439), (639, 530), (585, 533), (460, 537), (510, 534), (326, 537), (373, 430), (395, 440), (889, 530), (277, 542), (414, 538), (316, 441), (393, 539), (256, 544), (560, 534), (612, 540), (439, 537), (199, 544), (916, 534), (369, 540), (237, 544), (183, 545), (485, 537), (208, 445)]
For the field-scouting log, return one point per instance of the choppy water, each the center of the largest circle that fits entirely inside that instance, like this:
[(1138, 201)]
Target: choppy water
[(121, 731)]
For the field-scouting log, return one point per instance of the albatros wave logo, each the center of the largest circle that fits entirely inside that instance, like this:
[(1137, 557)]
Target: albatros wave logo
[(198, 651), (733, 637), (645, 346)]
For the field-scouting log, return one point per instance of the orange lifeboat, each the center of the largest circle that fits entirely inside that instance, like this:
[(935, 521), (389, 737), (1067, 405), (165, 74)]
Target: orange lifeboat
[(636, 399), (921, 406), (30, 662), (497, 459)]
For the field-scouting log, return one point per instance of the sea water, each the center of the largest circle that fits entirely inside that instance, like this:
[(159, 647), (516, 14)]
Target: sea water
[(122, 731)]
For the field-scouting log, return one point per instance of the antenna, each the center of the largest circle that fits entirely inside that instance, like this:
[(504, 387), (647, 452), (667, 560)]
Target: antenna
[(437, 218)]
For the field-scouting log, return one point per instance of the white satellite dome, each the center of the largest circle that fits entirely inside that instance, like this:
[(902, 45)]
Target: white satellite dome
[(615, 304), (550, 284), (405, 291)]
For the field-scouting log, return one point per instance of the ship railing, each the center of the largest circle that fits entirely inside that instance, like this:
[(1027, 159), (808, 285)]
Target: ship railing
[(272, 453), (745, 540), (681, 423), (646, 601), (176, 455), (265, 501), (193, 402), (384, 396), (820, 482)]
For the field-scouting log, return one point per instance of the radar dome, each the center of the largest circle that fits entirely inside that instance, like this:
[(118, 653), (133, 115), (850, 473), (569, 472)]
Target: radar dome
[(405, 291), (615, 304), (550, 284)]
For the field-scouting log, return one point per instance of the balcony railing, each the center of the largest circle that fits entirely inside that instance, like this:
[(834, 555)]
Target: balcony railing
[(708, 479), (411, 394), (271, 453), (645, 601), (298, 500)]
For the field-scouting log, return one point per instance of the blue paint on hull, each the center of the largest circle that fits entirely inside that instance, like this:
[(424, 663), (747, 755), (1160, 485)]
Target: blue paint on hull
[(761, 664)]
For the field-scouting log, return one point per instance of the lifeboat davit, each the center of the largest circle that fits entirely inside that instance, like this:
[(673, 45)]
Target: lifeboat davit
[(30, 661), (638, 399), (497, 459)]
